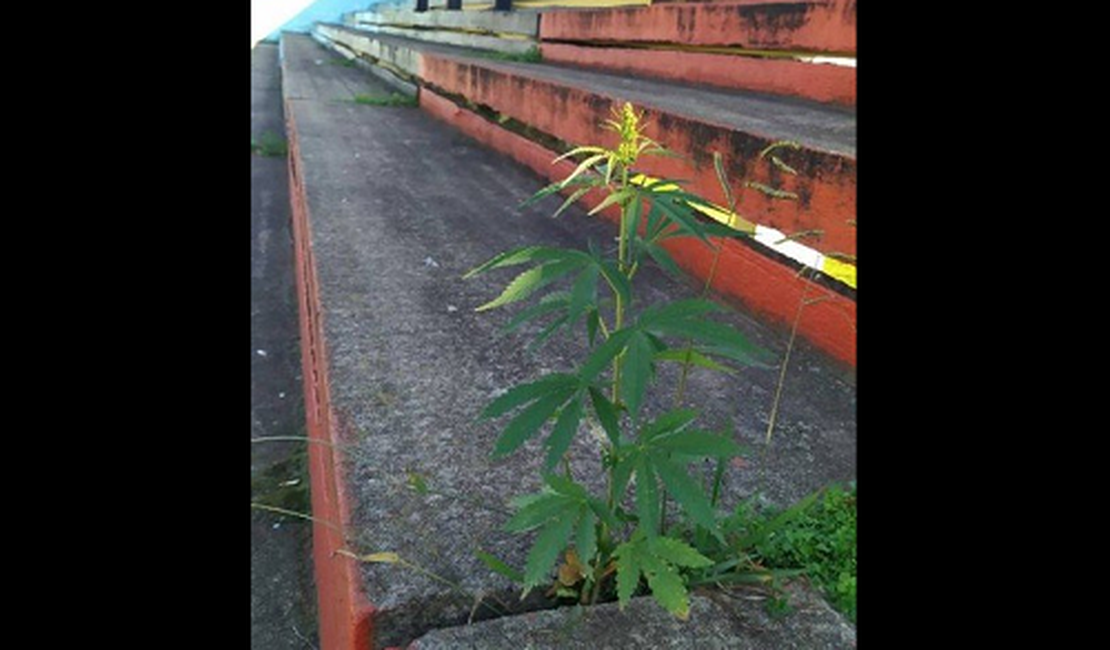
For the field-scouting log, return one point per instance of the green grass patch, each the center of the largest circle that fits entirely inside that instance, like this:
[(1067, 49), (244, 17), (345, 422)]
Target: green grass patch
[(531, 56), (269, 144), (342, 63), (284, 484), (822, 541), (393, 99)]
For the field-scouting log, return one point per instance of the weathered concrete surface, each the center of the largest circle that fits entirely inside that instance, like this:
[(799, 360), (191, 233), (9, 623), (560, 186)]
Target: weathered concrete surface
[(460, 39), (736, 621), (400, 207), (821, 25), (819, 82), (319, 77), (572, 104), (399, 83), (821, 127), (828, 128), (494, 22), (742, 273), (282, 593), (399, 55)]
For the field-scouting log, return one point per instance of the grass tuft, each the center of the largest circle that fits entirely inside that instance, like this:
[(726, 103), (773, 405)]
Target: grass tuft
[(531, 56), (393, 99), (269, 144), (823, 543)]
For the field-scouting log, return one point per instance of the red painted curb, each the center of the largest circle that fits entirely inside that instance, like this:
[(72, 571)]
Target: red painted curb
[(819, 82), (345, 614), (826, 182), (772, 25), (767, 287)]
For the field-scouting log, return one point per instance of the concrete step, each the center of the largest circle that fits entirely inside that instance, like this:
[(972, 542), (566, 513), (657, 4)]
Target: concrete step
[(568, 107), (519, 23), (806, 76), (826, 26), (715, 623), (773, 47), (391, 207), (510, 32), (798, 49)]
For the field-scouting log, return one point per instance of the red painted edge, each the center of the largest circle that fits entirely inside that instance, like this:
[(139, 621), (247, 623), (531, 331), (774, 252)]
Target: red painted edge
[(783, 25), (825, 184), (771, 289), (819, 82), (345, 614)]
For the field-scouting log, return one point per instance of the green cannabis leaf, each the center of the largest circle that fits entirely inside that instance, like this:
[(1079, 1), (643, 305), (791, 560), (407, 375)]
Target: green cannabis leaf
[(607, 545)]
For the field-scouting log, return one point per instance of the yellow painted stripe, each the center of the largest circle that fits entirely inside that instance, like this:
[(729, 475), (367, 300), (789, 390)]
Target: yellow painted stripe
[(842, 271)]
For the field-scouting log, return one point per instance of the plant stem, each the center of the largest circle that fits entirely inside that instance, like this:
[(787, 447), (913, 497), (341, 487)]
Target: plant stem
[(778, 388), (597, 588), (293, 513), (604, 567), (622, 253), (618, 322), (604, 329), (718, 476)]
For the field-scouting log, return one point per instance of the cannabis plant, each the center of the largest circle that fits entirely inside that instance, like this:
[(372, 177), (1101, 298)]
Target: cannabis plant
[(618, 540)]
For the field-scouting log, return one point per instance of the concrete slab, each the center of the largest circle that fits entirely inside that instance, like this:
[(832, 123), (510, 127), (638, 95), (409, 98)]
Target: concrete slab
[(819, 126), (744, 274), (400, 55), (819, 82), (525, 23), (571, 104), (455, 38), (282, 593), (399, 207), (321, 77), (814, 25), (829, 128), (736, 621)]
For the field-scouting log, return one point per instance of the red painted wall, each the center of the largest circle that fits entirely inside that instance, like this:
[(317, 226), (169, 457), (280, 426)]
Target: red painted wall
[(811, 26), (819, 82)]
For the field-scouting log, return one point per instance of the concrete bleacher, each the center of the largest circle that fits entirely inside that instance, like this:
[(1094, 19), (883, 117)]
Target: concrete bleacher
[(569, 105), (393, 204)]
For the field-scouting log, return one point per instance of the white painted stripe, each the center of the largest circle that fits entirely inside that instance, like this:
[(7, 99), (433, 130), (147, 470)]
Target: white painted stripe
[(843, 61), (800, 253)]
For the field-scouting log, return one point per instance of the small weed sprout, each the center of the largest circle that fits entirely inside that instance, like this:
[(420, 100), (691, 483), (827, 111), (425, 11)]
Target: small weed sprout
[(392, 99), (270, 145)]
